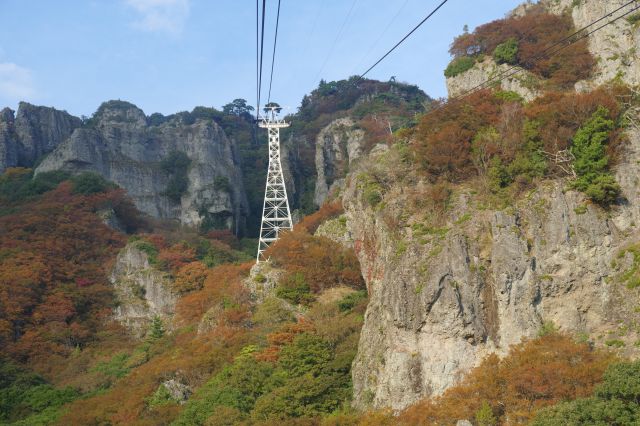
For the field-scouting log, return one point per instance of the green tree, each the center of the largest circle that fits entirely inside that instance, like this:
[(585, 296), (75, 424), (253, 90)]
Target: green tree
[(616, 402), (176, 165), (485, 416), (507, 52), (156, 331), (238, 107), (591, 161)]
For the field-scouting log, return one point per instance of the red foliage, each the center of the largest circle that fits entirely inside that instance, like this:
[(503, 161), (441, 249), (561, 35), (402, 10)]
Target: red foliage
[(224, 235), (442, 140), (54, 292), (322, 262), (535, 32), (281, 338), (177, 256), (449, 142), (328, 211), (560, 115), (222, 287)]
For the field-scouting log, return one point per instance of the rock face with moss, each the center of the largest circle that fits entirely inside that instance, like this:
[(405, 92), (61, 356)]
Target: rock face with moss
[(143, 292), (523, 83), (444, 296), (174, 170), (32, 133)]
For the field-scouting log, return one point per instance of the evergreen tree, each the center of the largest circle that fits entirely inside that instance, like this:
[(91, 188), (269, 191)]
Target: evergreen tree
[(156, 331), (591, 160)]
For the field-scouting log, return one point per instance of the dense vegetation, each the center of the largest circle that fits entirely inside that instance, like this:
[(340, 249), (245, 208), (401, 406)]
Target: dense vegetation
[(507, 144), (525, 41)]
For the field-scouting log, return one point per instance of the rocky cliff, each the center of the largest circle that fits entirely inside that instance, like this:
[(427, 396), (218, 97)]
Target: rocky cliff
[(442, 298), (187, 171), (32, 133), (447, 291), (337, 145), (142, 291)]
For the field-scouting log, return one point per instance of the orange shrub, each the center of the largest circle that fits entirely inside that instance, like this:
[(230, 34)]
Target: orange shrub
[(54, 292), (322, 262), (190, 277), (177, 256), (535, 32), (328, 211), (222, 286), (560, 115), (442, 139), (536, 373)]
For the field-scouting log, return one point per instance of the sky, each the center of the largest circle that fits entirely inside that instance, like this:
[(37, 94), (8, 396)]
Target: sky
[(172, 55)]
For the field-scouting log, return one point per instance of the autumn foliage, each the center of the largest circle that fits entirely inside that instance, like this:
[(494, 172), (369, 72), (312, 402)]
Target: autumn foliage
[(54, 293), (310, 223), (489, 129), (535, 374), (320, 262), (536, 33)]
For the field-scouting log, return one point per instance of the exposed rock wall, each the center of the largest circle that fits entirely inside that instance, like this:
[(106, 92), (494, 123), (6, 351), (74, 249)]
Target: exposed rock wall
[(142, 291), (8, 140), (337, 145), (34, 132), (124, 149), (523, 82), (615, 46), (442, 298)]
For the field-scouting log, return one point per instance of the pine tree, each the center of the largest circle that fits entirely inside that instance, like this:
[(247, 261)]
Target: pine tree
[(156, 331)]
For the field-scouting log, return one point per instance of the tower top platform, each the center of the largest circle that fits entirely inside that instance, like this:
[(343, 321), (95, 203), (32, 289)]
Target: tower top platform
[(272, 124)]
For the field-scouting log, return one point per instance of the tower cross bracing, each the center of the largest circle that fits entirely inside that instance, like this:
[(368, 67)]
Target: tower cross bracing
[(276, 216)]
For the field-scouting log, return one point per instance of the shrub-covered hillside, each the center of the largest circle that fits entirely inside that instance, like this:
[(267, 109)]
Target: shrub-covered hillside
[(525, 41)]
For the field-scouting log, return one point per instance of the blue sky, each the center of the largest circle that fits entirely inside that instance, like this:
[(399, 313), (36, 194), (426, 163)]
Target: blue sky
[(171, 55)]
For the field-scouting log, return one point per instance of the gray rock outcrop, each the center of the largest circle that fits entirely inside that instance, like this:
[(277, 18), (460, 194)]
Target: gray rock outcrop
[(123, 148), (337, 145), (523, 82), (32, 133), (142, 291)]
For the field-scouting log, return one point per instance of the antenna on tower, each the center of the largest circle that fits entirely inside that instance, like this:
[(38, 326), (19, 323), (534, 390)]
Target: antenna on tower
[(276, 216)]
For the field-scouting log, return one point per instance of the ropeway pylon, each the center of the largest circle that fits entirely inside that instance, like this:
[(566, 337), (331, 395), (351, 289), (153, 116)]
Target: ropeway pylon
[(275, 211)]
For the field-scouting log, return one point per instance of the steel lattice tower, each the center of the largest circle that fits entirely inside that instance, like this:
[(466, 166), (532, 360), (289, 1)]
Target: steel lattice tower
[(275, 212)]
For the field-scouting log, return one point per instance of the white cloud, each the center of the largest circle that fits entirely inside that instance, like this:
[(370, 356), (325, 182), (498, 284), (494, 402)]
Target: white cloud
[(160, 15), (16, 82)]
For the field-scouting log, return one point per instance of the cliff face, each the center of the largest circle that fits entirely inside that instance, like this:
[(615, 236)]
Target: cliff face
[(32, 133), (521, 82), (337, 145), (443, 298), (142, 291), (614, 46), (123, 148)]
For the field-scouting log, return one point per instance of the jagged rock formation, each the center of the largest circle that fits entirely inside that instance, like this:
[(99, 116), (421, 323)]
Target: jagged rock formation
[(32, 133), (337, 145), (441, 299), (142, 291), (120, 145)]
